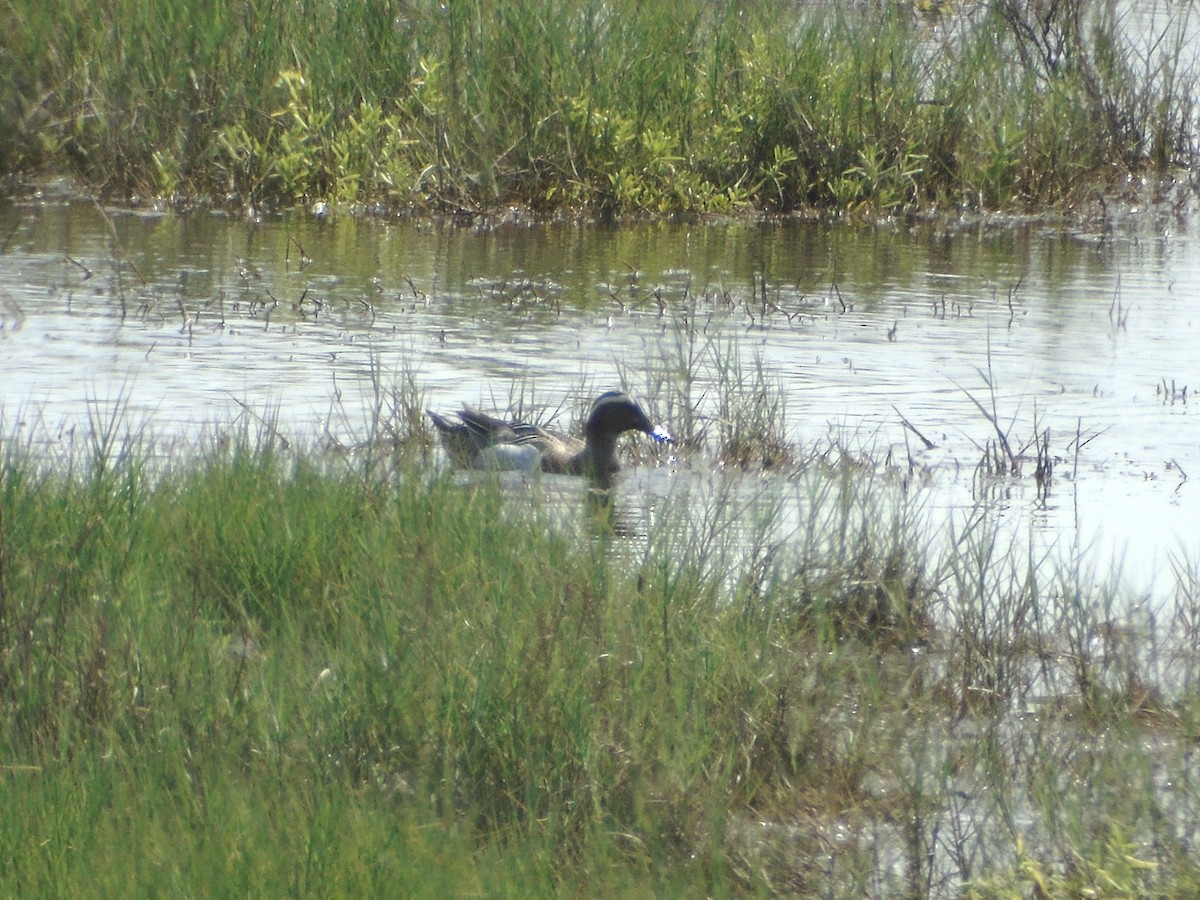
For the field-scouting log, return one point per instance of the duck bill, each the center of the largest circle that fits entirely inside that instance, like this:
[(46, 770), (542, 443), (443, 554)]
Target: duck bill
[(661, 435)]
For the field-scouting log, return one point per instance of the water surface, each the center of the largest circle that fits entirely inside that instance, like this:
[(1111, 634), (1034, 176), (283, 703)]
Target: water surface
[(1088, 332)]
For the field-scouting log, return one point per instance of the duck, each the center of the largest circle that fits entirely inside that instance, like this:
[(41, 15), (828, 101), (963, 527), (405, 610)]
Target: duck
[(480, 441)]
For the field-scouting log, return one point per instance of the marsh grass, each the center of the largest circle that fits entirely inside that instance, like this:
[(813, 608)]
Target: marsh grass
[(617, 107), (719, 405), (266, 669)]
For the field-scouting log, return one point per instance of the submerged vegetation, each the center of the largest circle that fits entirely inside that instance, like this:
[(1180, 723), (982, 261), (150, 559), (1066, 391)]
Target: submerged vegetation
[(261, 669), (603, 104)]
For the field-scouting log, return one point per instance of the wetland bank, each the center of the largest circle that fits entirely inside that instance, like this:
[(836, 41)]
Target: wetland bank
[(256, 638)]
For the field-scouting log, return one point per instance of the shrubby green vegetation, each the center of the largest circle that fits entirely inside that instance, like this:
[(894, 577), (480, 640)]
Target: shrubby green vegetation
[(613, 105)]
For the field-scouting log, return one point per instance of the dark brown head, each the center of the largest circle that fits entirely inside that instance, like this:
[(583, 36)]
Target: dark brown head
[(614, 413)]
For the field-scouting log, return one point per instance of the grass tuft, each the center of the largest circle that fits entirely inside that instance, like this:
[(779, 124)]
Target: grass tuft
[(260, 668)]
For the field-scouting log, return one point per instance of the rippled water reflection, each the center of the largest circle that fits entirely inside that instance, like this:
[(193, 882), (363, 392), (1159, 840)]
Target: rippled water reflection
[(1088, 332)]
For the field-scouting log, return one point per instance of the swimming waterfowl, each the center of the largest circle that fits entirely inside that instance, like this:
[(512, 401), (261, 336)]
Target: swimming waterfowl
[(481, 441)]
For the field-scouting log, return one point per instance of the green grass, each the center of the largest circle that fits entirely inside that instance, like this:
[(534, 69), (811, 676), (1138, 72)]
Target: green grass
[(613, 106), (263, 671)]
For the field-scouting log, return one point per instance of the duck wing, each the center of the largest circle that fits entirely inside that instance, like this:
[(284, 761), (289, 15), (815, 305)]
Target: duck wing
[(487, 431), (559, 451)]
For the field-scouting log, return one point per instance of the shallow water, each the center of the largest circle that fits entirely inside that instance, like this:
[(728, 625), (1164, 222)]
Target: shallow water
[(1088, 331)]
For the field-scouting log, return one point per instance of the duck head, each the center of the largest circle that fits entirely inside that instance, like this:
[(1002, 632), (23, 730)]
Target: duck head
[(614, 413)]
